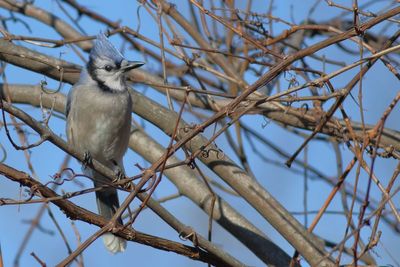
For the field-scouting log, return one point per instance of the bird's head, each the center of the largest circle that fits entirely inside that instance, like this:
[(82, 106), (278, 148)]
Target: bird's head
[(107, 66)]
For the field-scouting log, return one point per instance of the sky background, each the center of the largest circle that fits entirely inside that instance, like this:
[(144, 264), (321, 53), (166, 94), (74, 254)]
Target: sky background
[(379, 90)]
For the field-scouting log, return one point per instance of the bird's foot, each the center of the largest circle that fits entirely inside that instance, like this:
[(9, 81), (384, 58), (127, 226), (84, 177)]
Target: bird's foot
[(87, 159), (119, 173), (120, 176)]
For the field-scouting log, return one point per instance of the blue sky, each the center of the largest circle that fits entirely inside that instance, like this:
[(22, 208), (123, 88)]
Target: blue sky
[(379, 90)]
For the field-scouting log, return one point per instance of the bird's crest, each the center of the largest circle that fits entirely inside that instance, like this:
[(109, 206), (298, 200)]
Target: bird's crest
[(103, 48)]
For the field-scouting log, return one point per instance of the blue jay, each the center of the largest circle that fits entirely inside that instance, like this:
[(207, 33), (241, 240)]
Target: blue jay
[(98, 112)]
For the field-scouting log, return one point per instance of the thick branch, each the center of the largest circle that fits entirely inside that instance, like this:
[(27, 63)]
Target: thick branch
[(47, 134), (185, 180), (255, 195), (47, 18), (75, 212), (68, 72)]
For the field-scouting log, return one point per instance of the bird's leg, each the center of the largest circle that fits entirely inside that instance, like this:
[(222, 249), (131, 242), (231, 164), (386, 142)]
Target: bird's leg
[(87, 159)]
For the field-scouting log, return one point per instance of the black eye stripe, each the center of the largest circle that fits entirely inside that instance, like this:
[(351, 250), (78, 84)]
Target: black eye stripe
[(111, 67)]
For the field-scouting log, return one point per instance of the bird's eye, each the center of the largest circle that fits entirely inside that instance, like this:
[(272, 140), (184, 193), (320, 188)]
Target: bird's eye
[(108, 68)]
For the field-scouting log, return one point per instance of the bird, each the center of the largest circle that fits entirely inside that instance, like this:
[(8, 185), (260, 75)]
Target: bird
[(99, 112)]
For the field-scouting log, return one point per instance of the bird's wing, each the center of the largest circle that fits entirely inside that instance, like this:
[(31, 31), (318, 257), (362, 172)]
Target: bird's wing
[(69, 100)]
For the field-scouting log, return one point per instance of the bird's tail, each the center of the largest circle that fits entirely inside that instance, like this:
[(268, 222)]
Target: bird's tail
[(107, 204)]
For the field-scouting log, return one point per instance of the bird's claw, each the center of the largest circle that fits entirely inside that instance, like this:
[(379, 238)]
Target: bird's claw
[(87, 159), (119, 174)]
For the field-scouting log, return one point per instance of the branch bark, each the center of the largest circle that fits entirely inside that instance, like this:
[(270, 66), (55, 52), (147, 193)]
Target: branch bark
[(223, 166), (75, 212), (183, 177), (241, 182)]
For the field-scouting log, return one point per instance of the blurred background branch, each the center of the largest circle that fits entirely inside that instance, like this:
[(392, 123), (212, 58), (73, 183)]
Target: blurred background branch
[(242, 87)]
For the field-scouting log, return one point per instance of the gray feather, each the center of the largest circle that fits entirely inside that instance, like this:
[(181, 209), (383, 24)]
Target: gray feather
[(104, 49), (98, 112)]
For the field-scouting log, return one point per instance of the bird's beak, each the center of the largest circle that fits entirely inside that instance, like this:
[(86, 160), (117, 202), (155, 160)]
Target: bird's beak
[(130, 65)]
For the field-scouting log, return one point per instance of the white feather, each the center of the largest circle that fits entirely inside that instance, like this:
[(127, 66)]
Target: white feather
[(113, 243)]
